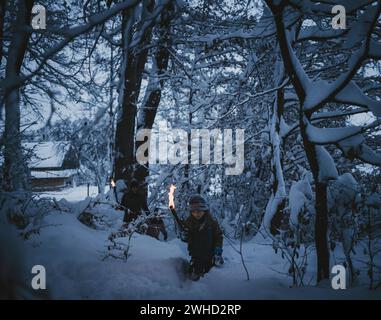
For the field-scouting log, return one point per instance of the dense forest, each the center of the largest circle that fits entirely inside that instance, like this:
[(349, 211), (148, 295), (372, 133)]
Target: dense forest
[(269, 109)]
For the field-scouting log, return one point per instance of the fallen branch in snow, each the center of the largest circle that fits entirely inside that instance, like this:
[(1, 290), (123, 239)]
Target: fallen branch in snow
[(119, 246), (241, 253), (138, 225)]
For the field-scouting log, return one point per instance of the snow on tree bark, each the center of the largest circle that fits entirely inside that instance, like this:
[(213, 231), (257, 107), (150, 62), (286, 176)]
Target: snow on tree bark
[(273, 214), (154, 89), (131, 74), (15, 171), (315, 94)]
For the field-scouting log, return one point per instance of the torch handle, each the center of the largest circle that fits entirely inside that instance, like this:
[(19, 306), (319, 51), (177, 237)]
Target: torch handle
[(178, 220)]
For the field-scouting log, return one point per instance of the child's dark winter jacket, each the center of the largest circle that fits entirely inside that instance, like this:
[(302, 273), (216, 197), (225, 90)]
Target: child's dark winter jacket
[(134, 204), (204, 236)]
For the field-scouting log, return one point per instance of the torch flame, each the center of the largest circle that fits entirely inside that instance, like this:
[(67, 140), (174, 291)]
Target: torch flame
[(171, 196), (112, 183)]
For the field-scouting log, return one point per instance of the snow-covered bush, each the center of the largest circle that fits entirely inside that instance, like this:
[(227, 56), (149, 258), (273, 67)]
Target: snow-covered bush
[(344, 217), (370, 234)]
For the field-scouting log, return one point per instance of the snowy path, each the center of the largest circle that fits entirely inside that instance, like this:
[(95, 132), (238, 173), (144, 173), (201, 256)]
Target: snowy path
[(72, 254)]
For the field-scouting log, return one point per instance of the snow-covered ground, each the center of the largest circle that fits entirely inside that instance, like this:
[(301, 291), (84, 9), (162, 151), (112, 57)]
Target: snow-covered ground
[(73, 253), (72, 194)]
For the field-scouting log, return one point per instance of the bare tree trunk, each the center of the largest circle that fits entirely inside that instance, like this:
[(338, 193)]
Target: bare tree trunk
[(2, 14), (132, 69), (15, 171), (110, 137), (154, 91), (321, 227), (321, 207)]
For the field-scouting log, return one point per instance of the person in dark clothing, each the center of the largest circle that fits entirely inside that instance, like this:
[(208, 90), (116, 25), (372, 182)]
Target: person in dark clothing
[(133, 202), (204, 238), (155, 225)]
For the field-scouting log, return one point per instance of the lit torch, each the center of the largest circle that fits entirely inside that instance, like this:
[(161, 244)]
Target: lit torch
[(171, 196), (113, 186), (171, 199)]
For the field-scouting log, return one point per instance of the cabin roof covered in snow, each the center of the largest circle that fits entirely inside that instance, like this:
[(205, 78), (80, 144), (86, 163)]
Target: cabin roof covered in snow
[(53, 174), (50, 154)]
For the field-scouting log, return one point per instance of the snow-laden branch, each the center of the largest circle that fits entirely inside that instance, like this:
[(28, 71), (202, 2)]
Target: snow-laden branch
[(323, 136), (298, 68), (69, 35), (352, 94), (319, 92), (337, 114), (327, 167), (148, 23), (264, 29), (325, 7), (367, 155), (323, 116), (315, 93), (314, 33)]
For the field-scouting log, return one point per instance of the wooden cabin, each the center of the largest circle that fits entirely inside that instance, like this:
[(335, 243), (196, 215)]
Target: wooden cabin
[(53, 165)]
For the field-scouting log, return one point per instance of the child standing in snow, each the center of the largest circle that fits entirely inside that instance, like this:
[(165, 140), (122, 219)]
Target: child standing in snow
[(204, 237), (133, 202)]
